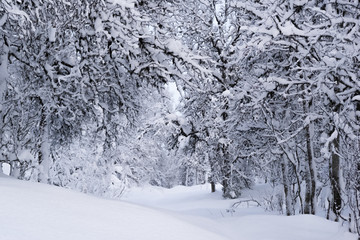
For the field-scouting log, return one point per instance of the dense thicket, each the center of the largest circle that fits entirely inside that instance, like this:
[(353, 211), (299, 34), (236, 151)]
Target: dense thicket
[(76, 77), (270, 93)]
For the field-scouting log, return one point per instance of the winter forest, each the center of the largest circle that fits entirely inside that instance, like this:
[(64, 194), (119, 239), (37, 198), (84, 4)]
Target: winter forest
[(102, 95)]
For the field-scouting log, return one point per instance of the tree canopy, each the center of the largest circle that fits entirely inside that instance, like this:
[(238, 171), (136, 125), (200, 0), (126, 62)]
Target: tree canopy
[(270, 93)]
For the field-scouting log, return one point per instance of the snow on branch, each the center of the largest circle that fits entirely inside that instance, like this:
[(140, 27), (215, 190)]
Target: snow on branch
[(326, 149)]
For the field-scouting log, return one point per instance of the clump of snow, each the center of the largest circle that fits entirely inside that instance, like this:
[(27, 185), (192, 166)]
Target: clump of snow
[(176, 117), (326, 151), (174, 93), (300, 2), (26, 155), (224, 141), (331, 62), (5, 169), (356, 98), (123, 3), (3, 20), (227, 93), (52, 34), (98, 25), (269, 86)]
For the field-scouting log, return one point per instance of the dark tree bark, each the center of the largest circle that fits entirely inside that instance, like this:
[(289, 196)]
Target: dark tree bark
[(335, 179), (213, 189), (286, 185), (310, 197), (307, 205)]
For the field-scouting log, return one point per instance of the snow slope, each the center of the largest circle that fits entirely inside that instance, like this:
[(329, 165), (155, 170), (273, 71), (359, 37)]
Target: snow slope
[(33, 211), (208, 210)]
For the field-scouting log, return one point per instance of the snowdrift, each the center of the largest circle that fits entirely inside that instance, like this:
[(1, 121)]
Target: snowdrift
[(209, 210), (33, 211)]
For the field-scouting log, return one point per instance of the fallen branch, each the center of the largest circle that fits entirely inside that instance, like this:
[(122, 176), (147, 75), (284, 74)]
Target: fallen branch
[(235, 205)]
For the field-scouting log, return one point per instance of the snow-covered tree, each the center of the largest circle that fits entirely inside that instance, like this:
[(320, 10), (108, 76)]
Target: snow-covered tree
[(304, 57), (78, 64)]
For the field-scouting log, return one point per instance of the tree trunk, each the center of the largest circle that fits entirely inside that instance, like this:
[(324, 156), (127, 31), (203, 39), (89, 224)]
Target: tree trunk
[(196, 176), (225, 187), (3, 77), (44, 154), (287, 190), (212, 178), (213, 189), (311, 178), (226, 178), (310, 192), (335, 179), (307, 205), (3, 71)]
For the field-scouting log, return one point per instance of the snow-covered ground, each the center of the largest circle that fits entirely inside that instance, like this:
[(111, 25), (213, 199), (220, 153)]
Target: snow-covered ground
[(33, 211), (249, 222)]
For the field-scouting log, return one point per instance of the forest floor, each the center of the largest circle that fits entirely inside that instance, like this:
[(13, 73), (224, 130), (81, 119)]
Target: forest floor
[(247, 221), (34, 211)]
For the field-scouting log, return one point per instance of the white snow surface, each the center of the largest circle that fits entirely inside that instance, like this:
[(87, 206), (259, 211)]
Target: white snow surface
[(35, 211), (210, 211)]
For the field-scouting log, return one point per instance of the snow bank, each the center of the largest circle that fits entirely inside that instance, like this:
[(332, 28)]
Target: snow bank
[(209, 210), (33, 211)]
